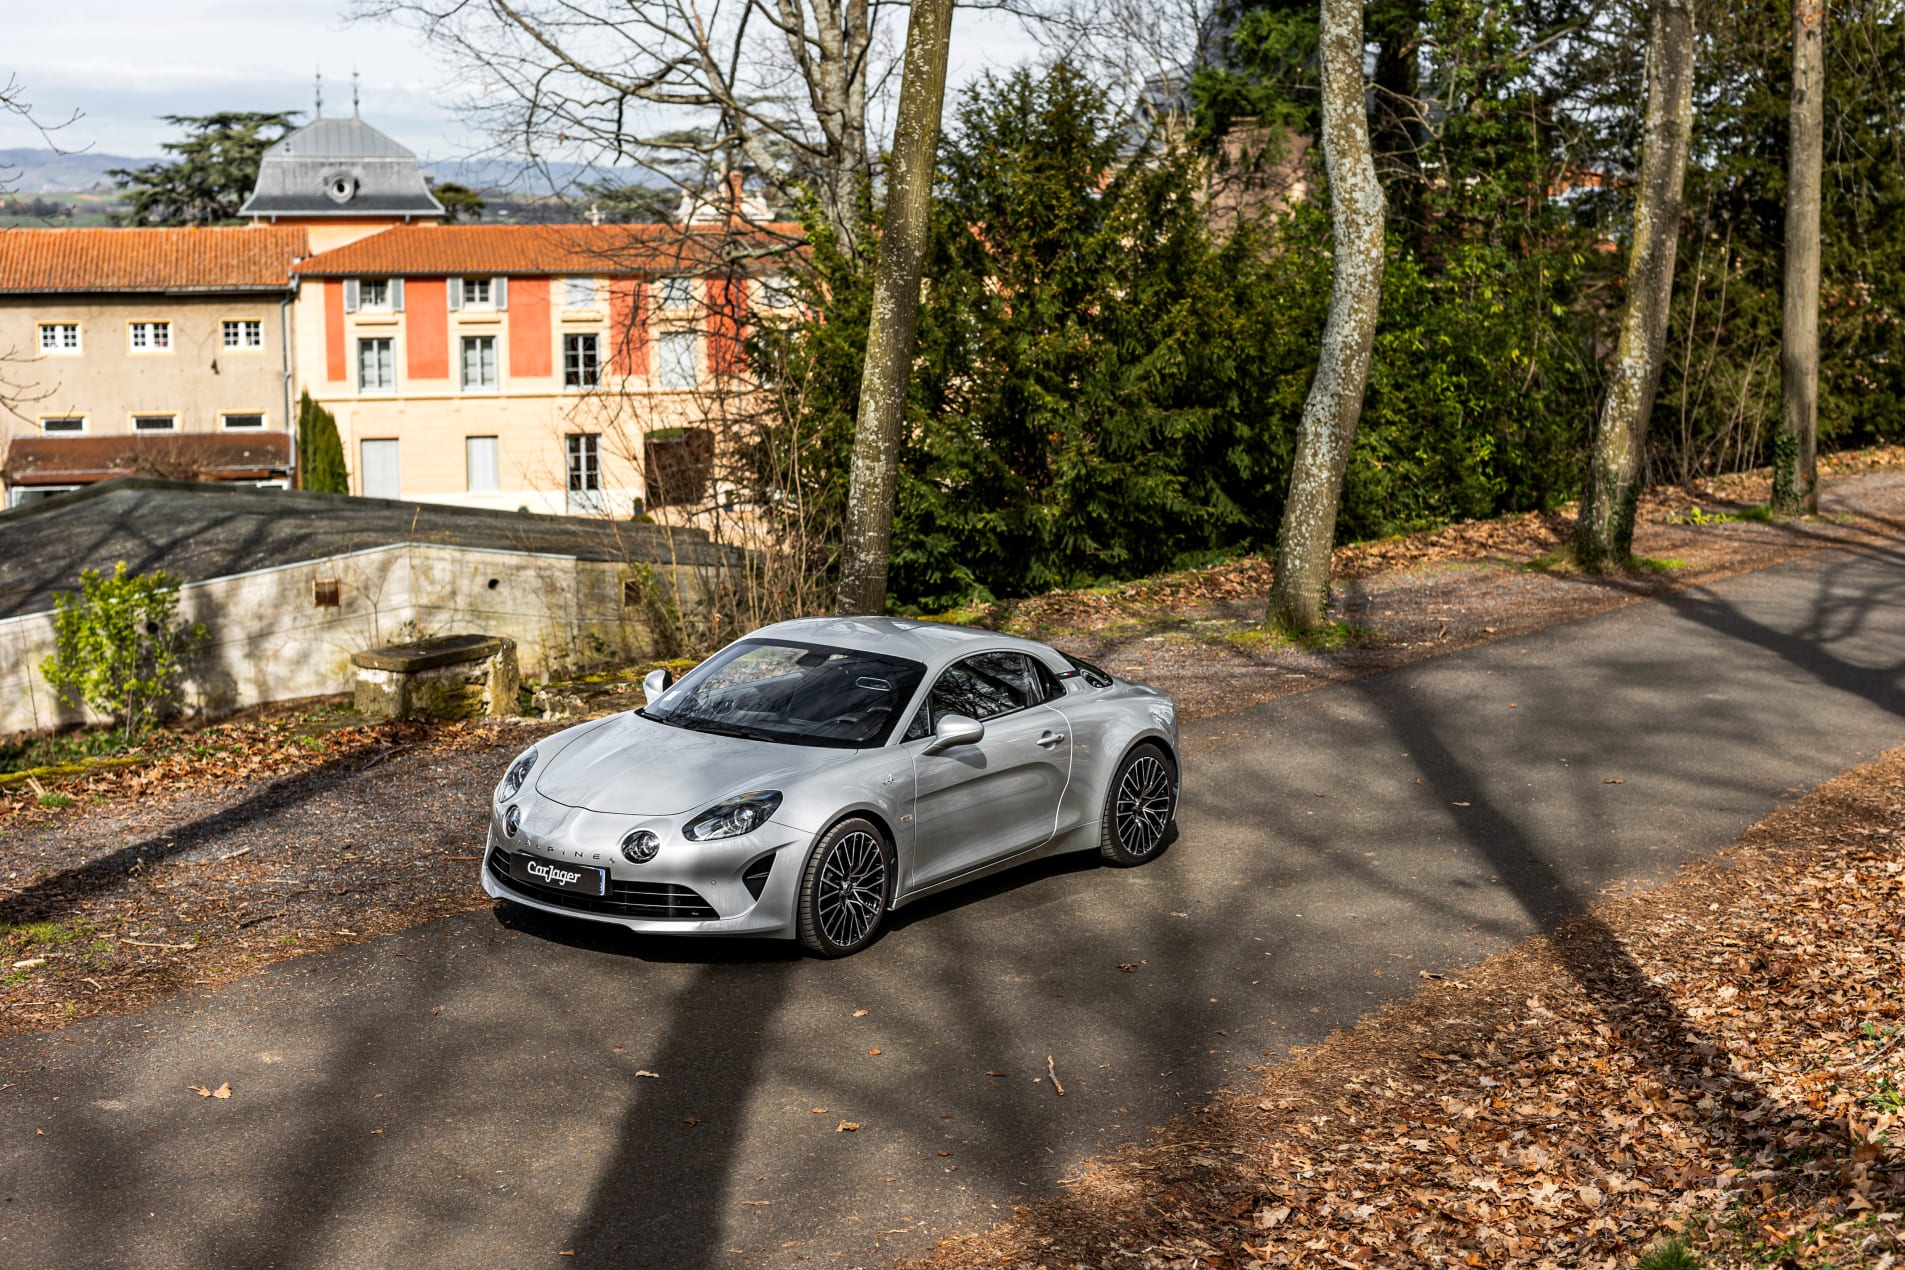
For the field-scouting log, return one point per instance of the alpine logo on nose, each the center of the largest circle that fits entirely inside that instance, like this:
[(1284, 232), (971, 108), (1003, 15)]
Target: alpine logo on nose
[(552, 873)]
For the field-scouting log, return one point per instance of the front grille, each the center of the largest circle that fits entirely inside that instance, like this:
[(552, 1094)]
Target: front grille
[(650, 901)]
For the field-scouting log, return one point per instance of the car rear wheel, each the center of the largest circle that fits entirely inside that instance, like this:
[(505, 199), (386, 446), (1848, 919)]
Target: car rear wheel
[(846, 890), (1140, 808)]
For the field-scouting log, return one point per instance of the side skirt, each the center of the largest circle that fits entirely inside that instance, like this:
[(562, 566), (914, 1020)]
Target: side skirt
[(1080, 838)]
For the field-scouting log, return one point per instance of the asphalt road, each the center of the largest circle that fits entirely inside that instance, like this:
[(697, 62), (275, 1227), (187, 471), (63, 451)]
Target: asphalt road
[(465, 1094)]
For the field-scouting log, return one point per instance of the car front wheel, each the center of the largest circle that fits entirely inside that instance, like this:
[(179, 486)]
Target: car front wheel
[(845, 890), (1140, 808)]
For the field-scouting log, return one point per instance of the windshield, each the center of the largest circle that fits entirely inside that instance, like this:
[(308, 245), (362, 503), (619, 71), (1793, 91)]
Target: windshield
[(795, 694)]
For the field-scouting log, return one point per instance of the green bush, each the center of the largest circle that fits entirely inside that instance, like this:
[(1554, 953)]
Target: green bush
[(320, 451), (119, 646)]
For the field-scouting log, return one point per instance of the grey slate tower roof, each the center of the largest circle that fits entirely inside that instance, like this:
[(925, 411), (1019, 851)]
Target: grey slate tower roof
[(340, 167)]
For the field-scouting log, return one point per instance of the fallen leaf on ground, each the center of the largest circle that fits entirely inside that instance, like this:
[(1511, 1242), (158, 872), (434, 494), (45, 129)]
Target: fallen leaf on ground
[(847, 1126), (650, 1075), (859, 1014)]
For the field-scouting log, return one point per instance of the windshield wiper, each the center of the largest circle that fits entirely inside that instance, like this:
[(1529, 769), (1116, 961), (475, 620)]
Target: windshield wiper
[(696, 723)]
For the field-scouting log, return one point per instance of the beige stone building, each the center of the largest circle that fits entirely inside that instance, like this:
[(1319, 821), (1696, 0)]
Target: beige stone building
[(154, 351)]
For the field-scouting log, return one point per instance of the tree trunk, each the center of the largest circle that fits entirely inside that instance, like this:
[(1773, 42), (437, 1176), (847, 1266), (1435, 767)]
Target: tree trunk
[(1335, 402), (867, 545), (1795, 462), (1605, 530)]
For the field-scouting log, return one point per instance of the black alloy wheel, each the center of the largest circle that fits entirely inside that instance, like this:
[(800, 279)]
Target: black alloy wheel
[(1140, 808), (845, 890)]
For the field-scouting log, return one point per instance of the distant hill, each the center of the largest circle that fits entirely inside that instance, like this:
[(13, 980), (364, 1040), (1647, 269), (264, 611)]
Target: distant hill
[(28, 172)]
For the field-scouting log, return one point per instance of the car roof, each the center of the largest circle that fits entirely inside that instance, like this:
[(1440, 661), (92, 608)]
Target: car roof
[(930, 642)]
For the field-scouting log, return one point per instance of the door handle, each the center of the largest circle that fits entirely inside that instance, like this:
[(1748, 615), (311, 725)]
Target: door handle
[(1049, 739)]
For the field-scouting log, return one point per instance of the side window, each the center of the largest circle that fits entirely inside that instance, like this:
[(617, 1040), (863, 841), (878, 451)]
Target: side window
[(985, 686), (921, 727)]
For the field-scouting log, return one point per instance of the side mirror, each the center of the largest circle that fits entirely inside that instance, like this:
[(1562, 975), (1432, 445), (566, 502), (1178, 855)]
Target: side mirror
[(954, 730), (654, 683)]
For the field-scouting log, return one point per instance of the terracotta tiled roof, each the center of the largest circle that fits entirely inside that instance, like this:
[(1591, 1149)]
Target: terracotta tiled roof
[(169, 260), (209, 456), (541, 249)]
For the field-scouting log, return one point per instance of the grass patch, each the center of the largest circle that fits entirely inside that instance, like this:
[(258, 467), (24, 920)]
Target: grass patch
[(1327, 636), (44, 934), (1758, 514), (1670, 1254), (53, 800), (1563, 562)]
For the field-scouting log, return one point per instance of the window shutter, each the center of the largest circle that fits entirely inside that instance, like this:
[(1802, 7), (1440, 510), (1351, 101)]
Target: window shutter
[(396, 295), (454, 289), (350, 295), (499, 288)]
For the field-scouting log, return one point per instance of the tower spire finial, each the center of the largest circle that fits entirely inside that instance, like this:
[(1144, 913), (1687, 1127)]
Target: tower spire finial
[(320, 95), (354, 113)]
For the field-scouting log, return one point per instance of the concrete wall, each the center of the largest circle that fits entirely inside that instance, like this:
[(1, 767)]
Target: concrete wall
[(271, 642), (106, 382)]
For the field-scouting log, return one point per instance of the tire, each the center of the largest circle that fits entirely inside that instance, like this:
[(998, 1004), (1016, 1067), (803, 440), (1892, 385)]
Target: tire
[(856, 856), (1140, 818)]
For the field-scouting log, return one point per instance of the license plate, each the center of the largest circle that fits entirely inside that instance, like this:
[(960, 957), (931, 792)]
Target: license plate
[(558, 875)]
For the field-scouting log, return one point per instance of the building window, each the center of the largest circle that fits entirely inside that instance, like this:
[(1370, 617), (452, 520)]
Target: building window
[(476, 293), (677, 359), (479, 361), (585, 473), (674, 293), (59, 337), (326, 593), (481, 458), (244, 334), (151, 337), (377, 469), (581, 361), (242, 422), (63, 425), (376, 365), (373, 293), (578, 293), (778, 293), (155, 423), (677, 466)]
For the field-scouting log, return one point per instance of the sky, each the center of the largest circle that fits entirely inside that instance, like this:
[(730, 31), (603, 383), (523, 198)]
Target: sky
[(123, 63)]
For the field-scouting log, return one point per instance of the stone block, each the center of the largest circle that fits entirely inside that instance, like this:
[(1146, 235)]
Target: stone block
[(444, 677)]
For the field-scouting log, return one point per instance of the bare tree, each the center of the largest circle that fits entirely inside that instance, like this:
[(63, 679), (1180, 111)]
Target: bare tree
[(1795, 468), (867, 545), (1335, 402), (1605, 529), (18, 393), (680, 90)]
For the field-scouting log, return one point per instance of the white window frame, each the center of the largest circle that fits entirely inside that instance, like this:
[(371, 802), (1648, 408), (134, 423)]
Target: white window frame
[(60, 348), (676, 291), (234, 335), (225, 418), (80, 431), (464, 344), (132, 423), (144, 336), (381, 388), (664, 366), (578, 293), (595, 380), (496, 465)]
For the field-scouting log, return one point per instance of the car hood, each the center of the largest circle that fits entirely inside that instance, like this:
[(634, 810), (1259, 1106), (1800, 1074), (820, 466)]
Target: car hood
[(631, 766)]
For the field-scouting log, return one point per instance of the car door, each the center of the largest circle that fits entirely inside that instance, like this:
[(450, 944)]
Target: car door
[(974, 804)]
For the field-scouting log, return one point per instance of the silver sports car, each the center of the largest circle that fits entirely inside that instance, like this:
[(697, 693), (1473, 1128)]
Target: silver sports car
[(812, 777)]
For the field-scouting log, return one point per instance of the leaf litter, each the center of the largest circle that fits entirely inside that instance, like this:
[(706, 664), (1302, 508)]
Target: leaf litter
[(1720, 1058)]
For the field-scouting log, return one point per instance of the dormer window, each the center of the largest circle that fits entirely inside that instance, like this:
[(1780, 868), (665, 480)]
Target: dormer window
[(477, 293), (340, 188)]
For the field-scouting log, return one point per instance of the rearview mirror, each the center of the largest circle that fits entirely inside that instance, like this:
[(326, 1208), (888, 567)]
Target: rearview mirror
[(953, 730), (654, 683)]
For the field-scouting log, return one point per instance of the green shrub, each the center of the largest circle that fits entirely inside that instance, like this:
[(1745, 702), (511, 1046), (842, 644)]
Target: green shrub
[(119, 646)]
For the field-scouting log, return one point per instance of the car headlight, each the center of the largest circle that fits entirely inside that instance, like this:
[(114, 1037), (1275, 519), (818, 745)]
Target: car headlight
[(518, 773), (741, 814)]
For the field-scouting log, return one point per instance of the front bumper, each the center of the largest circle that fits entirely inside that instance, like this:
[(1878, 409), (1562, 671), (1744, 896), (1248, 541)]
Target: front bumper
[(689, 888)]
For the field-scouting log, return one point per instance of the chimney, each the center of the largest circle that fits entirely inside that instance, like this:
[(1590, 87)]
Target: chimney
[(736, 210)]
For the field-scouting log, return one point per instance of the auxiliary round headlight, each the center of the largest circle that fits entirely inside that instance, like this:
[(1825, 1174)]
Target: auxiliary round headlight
[(639, 846), (512, 819)]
